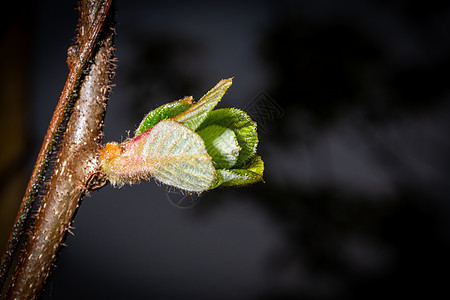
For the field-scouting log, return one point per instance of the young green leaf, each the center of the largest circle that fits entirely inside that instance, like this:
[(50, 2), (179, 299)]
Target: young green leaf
[(169, 152), (197, 113), (241, 124), (163, 112), (251, 174), (221, 144)]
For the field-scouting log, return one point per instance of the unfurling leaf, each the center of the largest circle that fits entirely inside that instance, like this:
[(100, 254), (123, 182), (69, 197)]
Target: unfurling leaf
[(251, 174), (221, 144), (197, 113), (169, 152), (163, 112), (189, 146), (241, 124)]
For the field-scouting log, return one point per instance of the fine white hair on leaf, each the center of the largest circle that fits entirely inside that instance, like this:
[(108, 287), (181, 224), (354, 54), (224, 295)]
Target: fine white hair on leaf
[(169, 152)]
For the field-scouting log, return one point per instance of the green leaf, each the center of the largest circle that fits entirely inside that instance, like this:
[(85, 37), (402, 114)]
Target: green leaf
[(221, 144), (188, 146), (252, 174), (165, 111), (169, 152), (241, 124), (197, 113), (255, 165)]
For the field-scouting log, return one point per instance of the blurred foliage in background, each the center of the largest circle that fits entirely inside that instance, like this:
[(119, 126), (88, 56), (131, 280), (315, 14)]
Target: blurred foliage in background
[(357, 167)]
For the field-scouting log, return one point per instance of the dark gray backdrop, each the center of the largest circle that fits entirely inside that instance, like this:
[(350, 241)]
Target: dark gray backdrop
[(353, 103)]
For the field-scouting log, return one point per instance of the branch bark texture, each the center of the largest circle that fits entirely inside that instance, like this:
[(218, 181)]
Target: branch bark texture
[(78, 118)]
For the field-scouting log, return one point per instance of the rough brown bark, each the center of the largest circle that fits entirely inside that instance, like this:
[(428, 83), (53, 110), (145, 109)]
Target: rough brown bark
[(79, 117)]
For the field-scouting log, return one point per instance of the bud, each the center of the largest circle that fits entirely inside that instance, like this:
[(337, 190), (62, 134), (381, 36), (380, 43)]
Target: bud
[(188, 146)]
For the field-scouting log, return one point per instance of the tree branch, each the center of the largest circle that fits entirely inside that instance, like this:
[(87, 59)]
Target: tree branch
[(79, 118)]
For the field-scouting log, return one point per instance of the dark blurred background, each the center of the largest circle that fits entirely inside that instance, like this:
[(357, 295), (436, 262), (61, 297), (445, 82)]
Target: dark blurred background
[(353, 102)]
